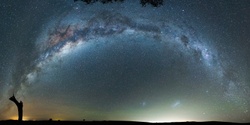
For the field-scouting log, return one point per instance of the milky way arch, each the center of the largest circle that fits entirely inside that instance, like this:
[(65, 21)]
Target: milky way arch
[(67, 33)]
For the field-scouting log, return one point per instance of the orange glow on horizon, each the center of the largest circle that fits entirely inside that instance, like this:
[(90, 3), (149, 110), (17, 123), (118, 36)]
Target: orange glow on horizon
[(25, 118)]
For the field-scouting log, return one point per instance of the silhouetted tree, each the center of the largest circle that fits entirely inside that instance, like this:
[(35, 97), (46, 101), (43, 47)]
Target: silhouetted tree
[(19, 107)]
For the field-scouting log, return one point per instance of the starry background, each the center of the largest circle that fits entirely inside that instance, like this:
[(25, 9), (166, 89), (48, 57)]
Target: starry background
[(183, 61)]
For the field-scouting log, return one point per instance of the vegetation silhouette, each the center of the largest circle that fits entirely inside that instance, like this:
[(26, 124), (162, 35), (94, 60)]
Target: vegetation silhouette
[(19, 107), (154, 3)]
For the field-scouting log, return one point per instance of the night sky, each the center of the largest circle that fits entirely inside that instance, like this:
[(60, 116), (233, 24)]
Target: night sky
[(187, 60)]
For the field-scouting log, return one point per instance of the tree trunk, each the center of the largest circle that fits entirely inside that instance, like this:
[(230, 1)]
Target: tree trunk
[(19, 107)]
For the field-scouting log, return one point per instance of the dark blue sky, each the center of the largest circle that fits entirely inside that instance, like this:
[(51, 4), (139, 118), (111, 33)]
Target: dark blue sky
[(183, 61)]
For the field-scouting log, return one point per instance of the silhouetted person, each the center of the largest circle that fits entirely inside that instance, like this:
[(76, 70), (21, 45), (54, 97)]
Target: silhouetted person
[(19, 107)]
